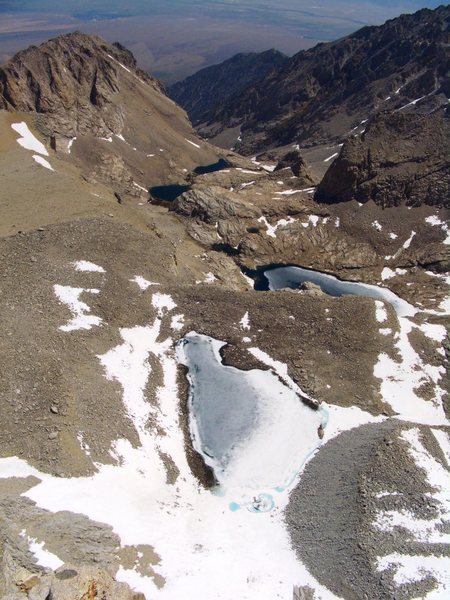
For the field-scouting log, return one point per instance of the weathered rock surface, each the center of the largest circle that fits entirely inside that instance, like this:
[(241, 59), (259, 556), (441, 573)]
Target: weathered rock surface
[(72, 80), (295, 162), (400, 159), (212, 205)]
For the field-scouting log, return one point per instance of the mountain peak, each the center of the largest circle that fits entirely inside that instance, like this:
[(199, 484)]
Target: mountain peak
[(70, 76)]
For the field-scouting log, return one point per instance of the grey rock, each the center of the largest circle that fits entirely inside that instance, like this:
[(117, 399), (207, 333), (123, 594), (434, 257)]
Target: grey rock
[(312, 288), (41, 590), (211, 205)]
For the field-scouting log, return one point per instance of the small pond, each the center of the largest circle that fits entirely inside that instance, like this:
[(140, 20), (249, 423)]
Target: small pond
[(212, 168), (168, 193), (279, 277)]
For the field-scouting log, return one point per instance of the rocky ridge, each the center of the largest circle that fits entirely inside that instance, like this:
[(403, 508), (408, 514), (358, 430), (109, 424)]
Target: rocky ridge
[(400, 158), (322, 94), (90, 101)]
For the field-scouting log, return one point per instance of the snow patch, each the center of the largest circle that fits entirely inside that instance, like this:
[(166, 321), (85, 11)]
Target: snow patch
[(407, 244), (85, 265), (400, 380), (70, 144), (245, 321), (41, 161), (28, 140), (43, 557), (380, 311), (142, 282), (177, 322), (377, 225), (387, 273), (81, 318), (422, 531), (163, 303)]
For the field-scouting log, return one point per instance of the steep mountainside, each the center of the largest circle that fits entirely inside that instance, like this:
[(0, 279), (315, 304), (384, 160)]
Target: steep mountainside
[(90, 100), (208, 89), (321, 94)]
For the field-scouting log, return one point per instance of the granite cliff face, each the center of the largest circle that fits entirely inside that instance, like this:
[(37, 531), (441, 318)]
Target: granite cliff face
[(72, 80), (400, 159), (319, 95)]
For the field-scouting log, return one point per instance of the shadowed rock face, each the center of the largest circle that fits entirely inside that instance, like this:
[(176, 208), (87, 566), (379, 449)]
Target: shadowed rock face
[(320, 94), (400, 159), (210, 87)]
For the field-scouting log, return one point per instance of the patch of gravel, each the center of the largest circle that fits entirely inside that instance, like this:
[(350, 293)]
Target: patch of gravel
[(332, 511), (324, 515)]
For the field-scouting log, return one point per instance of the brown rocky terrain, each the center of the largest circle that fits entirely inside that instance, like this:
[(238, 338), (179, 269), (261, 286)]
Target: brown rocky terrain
[(103, 493), (90, 100)]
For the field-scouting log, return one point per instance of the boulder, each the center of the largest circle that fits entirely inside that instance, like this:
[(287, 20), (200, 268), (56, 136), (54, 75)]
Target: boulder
[(212, 205)]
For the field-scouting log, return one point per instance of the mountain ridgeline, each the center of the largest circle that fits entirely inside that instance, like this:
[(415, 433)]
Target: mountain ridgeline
[(319, 95)]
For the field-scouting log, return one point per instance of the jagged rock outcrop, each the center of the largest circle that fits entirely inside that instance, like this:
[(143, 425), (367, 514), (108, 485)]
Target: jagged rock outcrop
[(72, 80), (400, 159), (209, 88), (320, 94), (212, 205)]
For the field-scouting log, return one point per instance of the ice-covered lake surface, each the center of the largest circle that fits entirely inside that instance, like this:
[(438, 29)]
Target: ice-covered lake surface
[(293, 277), (250, 427)]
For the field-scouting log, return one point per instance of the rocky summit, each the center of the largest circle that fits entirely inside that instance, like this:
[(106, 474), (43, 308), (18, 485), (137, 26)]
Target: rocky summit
[(226, 375)]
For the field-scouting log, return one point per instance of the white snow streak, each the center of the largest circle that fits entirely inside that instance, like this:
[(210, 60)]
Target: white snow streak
[(81, 318), (192, 143), (43, 162), (331, 157), (85, 265)]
